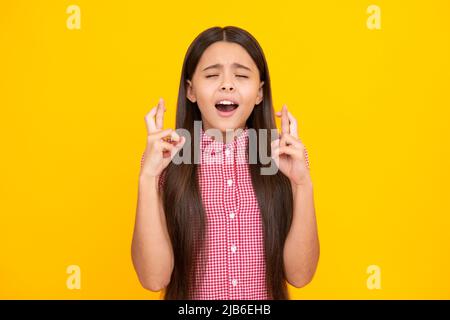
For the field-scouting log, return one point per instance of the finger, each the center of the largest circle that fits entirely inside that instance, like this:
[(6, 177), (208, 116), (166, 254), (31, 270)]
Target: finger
[(284, 120), (293, 125), (174, 136), (275, 155), (175, 149), (284, 124), (181, 142), (165, 146), (161, 134), (289, 150), (275, 143), (179, 145), (292, 141), (160, 114), (150, 120)]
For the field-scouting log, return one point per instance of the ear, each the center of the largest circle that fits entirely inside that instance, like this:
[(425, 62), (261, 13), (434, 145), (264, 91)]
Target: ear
[(190, 91), (260, 95)]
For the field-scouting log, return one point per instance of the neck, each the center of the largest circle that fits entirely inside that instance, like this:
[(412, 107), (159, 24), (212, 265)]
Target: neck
[(226, 136)]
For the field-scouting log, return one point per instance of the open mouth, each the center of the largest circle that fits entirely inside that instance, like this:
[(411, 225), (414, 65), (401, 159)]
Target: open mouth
[(226, 106)]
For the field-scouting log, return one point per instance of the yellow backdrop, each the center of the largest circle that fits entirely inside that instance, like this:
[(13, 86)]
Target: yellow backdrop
[(367, 80)]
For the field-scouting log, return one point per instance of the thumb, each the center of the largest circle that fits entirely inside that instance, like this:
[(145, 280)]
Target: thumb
[(179, 145)]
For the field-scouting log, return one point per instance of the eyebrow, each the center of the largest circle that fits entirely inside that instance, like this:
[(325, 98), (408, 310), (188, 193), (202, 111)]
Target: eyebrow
[(235, 65)]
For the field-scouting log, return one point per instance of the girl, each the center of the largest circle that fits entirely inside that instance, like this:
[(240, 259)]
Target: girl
[(221, 229)]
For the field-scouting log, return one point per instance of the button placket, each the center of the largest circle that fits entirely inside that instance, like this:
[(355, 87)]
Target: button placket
[(236, 286), (230, 203)]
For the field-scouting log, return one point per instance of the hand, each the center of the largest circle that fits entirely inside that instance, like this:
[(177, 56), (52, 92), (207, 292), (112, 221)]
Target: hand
[(159, 150), (288, 152)]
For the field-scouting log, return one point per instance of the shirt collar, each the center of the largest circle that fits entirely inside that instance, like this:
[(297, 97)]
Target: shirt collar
[(239, 141), (234, 151)]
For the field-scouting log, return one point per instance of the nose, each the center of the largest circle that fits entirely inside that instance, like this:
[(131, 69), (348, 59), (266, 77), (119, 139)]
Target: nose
[(227, 86)]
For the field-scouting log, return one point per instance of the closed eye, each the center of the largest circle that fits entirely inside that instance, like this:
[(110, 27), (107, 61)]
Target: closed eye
[(215, 75)]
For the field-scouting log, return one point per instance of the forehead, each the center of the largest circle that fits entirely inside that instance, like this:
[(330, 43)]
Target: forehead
[(226, 53)]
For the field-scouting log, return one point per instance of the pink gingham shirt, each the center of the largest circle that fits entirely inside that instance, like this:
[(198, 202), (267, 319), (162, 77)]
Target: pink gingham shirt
[(232, 265), (232, 262)]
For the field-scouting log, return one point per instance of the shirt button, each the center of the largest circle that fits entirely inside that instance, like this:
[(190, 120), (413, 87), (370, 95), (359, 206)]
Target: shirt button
[(227, 152), (234, 282), (232, 215), (233, 248), (230, 182)]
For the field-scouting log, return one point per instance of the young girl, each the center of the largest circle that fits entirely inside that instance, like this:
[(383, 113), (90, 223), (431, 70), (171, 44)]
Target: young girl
[(221, 229)]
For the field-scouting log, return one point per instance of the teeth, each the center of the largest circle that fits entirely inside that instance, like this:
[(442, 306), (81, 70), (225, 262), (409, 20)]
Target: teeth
[(226, 102)]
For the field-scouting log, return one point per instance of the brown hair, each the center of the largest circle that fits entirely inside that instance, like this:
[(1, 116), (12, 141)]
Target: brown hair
[(181, 198)]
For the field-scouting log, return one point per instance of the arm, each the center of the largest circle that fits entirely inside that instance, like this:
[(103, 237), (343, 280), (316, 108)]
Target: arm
[(301, 249), (151, 248), (152, 252)]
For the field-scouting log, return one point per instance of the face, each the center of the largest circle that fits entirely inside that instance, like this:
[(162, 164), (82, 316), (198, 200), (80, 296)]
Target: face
[(225, 72)]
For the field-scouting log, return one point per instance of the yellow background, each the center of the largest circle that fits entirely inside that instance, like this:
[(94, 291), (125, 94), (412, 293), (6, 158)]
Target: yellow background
[(372, 107)]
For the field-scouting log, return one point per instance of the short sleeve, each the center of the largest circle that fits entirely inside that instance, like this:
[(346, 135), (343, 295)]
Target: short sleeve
[(162, 180), (306, 157), (142, 159)]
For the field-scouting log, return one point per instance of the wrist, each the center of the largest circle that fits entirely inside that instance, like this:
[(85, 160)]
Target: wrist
[(306, 183), (148, 180)]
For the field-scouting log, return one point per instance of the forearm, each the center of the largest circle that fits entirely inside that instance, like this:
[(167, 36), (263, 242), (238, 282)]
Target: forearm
[(152, 252), (301, 249)]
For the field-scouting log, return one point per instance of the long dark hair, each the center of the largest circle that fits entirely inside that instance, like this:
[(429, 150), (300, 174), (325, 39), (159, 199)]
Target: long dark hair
[(181, 197)]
